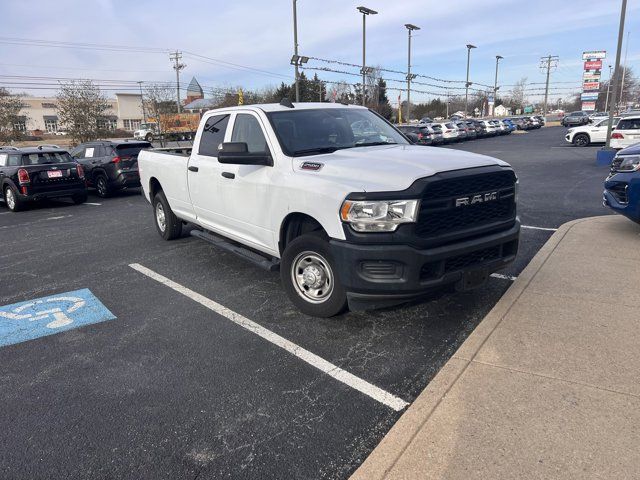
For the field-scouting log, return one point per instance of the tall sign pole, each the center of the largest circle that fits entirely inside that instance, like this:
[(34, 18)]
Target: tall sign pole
[(295, 48), (614, 96), (547, 63), (410, 28)]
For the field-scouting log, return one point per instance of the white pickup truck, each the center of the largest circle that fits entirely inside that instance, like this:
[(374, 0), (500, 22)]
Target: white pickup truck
[(339, 201)]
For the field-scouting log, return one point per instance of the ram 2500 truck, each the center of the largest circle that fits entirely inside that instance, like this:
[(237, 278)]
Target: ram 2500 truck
[(339, 201)]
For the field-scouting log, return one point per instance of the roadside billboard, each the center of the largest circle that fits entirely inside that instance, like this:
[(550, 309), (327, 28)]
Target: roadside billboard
[(589, 97), (590, 86), (594, 54), (593, 65), (588, 106), (590, 77)]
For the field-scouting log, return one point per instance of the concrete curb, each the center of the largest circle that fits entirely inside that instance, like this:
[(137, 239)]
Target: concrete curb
[(402, 434)]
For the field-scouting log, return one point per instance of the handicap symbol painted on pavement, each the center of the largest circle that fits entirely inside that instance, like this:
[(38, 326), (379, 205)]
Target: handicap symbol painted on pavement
[(24, 321)]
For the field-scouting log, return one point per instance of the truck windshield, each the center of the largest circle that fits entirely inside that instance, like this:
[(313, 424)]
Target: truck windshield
[(325, 130)]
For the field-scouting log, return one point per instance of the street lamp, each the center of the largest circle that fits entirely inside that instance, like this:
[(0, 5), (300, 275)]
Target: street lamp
[(467, 84), (298, 61), (410, 28), (364, 11), (495, 84), (614, 95)]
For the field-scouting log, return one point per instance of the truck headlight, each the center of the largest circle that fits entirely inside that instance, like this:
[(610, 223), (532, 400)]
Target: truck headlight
[(378, 215), (629, 164)]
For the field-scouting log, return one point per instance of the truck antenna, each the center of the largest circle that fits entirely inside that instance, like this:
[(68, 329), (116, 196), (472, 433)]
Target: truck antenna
[(285, 102)]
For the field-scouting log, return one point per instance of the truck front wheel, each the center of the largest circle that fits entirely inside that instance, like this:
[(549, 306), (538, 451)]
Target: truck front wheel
[(149, 137), (168, 225), (308, 274)]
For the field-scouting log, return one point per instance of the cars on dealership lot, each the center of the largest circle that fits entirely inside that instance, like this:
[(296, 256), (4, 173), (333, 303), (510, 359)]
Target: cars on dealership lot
[(622, 186), (489, 127), (509, 124), (348, 219), (520, 123), (421, 134), (32, 174), (110, 165), (449, 131), (462, 130), (587, 134), (575, 119), (627, 132)]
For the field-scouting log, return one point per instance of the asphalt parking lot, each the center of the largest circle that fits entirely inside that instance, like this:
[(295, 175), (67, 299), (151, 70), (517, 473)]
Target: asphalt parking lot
[(177, 386)]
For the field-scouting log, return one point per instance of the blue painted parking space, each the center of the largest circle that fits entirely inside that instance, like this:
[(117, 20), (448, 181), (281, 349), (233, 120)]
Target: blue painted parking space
[(44, 316)]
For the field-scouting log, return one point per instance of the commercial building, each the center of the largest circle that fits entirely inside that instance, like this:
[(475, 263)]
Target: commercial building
[(39, 114)]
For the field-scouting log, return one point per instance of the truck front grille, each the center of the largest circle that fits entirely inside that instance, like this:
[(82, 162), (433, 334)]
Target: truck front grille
[(466, 204)]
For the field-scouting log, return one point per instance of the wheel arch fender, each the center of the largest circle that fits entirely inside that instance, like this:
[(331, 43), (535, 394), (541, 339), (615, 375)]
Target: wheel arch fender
[(296, 224)]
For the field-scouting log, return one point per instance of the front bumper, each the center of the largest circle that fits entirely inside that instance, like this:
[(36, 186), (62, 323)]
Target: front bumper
[(388, 274), (622, 194)]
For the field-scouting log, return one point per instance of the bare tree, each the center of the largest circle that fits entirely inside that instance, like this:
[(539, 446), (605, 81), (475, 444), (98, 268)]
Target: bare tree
[(81, 109), (10, 106), (159, 100), (518, 96)]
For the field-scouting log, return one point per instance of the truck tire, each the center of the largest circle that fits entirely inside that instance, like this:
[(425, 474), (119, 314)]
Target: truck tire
[(149, 137), (308, 274), (11, 199), (581, 140), (168, 225)]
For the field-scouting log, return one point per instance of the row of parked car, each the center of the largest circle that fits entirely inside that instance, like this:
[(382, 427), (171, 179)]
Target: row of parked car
[(50, 172), (431, 132)]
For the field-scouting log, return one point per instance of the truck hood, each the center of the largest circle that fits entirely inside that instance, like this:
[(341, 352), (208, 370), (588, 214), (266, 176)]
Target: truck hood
[(389, 168)]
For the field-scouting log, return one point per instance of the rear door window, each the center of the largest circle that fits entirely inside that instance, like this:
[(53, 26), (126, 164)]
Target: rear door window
[(213, 135), (628, 124), (14, 160)]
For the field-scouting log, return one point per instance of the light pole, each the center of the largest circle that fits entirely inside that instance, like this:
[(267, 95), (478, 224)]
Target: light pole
[(295, 47), (410, 28), (495, 84), (364, 11), (606, 102), (616, 70), (467, 84), (144, 113)]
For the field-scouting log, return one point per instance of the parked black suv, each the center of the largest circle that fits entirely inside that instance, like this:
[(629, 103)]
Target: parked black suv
[(575, 118), (110, 165), (31, 174)]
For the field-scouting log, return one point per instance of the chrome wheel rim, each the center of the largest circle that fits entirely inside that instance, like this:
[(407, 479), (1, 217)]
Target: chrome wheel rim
[(11, 199), (312, 276), (160, 217)]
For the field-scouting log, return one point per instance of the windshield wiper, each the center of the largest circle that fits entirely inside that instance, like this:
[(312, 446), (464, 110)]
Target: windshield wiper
[(318, 150), (373, 144)]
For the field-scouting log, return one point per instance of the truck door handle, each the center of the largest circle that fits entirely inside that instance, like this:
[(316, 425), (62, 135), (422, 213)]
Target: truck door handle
[(229, 175), (193, 169)]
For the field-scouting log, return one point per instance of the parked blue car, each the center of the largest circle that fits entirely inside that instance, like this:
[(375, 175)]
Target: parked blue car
[(622, 186), (509, 123)]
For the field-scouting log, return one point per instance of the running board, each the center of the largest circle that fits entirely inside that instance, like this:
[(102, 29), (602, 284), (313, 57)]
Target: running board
[(251, 256)]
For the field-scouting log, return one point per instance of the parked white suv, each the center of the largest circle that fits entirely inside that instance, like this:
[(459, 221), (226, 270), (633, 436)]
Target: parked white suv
[(339, 201), (627, 132), (587, 134)]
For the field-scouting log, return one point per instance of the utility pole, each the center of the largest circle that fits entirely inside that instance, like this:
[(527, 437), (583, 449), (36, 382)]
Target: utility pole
[(495, 85), (410, 28), (547, 63), (144, 113), (467, 84), (364, 11), (176, 57), (606, 102), (614, 96), (295, 47)]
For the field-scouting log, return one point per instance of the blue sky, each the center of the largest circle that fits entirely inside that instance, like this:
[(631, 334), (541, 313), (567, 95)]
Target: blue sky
[(259, 34)]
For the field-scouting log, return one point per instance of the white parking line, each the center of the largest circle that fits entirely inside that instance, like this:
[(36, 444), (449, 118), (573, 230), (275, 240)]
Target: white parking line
[(503, 277), (540, 228), (312, 359), (58, 218), (90, 203)]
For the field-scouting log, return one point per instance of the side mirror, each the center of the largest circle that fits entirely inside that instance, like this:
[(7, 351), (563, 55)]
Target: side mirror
[(237, 153)]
